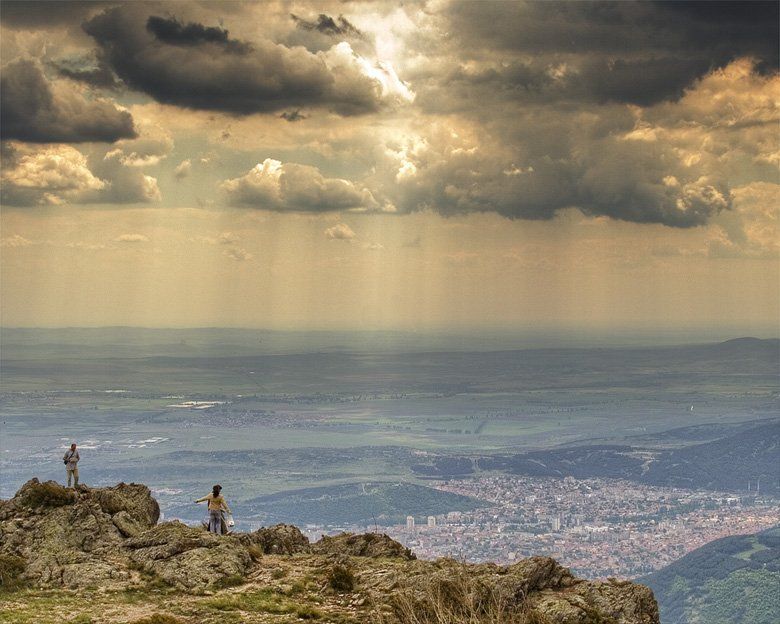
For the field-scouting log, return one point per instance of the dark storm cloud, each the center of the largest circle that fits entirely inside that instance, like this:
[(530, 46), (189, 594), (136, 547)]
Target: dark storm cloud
[(630, 52), (171, 30), (292, 116), (48, 13), (717, 29), (32, 111), (328, 26), (636, 81), (101, 76), (202, 68)]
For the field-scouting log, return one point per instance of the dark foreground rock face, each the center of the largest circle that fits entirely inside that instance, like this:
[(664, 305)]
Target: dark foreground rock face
[(109, 537)]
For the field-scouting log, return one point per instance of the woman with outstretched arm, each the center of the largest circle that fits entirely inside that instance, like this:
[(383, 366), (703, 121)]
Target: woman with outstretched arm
[(217, 507)]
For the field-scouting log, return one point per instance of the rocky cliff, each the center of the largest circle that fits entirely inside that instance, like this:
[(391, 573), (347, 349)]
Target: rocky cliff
[(99, 555)]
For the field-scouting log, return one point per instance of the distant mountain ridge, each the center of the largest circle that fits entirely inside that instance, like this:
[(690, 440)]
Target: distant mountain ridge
[(728, 463)]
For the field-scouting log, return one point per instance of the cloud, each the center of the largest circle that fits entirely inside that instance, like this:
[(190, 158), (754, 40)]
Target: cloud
[(238, 254), (326, 25), (98, 75), (32, 109), (752, 229), (24, 14), (174, 32), (15, 241), (81, 245), (672, 163), (54, 174), (227, 238), (151, 146), (273, 185), (183, 169), (340, 231), (131, 238), (486, 54), (292, 116), (224, 238), (716, 31), (61, 174), (127, 184), (201, 67)]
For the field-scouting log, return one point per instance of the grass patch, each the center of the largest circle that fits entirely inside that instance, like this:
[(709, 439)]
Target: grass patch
[(158, 618), (456, 597), (262, 601)]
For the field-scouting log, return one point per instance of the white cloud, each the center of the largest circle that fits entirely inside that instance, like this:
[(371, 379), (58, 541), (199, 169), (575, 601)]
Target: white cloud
[(273, 185), (151, 146), (183, 169), (238, 254), (15, 241), (132, 238), (61, 174), (48, 175), (340, 231)]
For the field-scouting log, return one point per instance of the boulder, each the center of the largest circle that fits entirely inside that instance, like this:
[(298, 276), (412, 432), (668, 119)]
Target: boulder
[(280, 539), (74, 538), (188, 557), (364, 545)]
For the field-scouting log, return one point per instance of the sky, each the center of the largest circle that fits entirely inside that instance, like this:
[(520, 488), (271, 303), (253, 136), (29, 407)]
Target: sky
[(361, 165)]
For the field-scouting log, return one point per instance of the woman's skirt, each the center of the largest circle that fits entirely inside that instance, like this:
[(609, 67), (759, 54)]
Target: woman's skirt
[(215, 521)]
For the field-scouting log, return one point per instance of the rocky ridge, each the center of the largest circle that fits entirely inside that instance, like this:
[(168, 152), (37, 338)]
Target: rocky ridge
[(91, 550)]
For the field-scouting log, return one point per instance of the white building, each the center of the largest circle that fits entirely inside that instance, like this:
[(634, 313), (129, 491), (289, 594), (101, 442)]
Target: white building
[(431, 521), (410, 523)]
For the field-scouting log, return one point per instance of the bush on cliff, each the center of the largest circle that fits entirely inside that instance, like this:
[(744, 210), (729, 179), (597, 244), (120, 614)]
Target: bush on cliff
[(47, 494), (11, 570)]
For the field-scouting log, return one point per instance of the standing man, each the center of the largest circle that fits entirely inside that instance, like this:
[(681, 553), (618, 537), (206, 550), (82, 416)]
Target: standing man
[(71, 459)]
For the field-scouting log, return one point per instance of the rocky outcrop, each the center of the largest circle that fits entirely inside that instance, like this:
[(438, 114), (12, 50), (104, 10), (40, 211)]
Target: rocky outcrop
[(280, 539), (365, 545), (188, 557), (73, 538), (109, 537)]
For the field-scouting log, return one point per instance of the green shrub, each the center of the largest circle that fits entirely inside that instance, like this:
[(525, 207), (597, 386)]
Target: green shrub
[(49, 494), (255, 552), (278, 573), (308, 613), (341, 578), (11, 570)]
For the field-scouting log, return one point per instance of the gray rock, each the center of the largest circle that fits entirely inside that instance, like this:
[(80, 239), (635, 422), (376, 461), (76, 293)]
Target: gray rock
[(188, 557)]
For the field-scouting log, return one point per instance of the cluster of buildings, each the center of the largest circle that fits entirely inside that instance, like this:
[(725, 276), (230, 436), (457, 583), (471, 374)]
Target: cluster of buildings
[(597, 527)]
